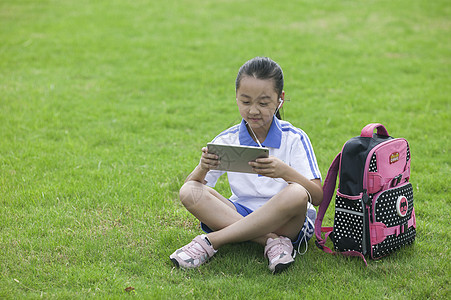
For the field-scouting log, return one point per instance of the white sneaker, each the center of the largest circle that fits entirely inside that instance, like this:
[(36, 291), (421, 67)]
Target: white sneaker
[(279, 252), (197, 252)]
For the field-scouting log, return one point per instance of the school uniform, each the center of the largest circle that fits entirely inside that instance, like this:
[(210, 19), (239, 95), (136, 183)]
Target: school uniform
[(251, 191)]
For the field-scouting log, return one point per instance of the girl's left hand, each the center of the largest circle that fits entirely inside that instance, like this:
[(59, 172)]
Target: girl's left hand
[(271, 167)]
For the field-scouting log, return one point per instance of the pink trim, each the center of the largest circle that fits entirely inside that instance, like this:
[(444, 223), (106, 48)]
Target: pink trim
[(358, 197)]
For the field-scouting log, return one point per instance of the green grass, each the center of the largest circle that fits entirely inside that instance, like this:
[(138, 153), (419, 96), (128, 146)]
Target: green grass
[(104, 106)]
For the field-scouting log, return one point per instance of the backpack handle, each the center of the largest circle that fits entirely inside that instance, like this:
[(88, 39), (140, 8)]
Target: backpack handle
[(368, 130)]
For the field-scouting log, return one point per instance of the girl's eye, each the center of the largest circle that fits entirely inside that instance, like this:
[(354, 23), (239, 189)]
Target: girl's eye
[(245, 102), (264, 104)]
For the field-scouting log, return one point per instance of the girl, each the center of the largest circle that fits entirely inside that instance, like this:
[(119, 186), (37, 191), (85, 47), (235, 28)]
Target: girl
[(274, 206)]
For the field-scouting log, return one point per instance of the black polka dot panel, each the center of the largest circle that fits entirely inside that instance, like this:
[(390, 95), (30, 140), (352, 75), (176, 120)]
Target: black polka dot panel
[(385, 211), (348, 225), (373, 163)]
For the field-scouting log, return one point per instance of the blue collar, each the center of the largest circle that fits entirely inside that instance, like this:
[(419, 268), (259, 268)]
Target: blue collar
[(273, 139)]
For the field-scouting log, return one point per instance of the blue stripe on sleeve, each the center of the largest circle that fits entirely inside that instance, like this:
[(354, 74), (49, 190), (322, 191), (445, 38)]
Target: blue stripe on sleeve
[(307, 148), (231, 130)]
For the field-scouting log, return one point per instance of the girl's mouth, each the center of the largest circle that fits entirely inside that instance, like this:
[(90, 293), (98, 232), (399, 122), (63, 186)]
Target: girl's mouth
[(254, 119)]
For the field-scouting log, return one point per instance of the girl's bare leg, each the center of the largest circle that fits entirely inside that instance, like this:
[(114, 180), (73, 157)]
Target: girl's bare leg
[(284, 214), (208, 206)]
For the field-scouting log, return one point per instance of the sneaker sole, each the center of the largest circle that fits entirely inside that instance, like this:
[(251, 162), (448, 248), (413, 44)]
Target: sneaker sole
[(175, 262), (177, 265), (281, 267)]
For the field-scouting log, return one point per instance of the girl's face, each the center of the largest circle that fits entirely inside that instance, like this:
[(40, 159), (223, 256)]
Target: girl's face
[(257, 102)]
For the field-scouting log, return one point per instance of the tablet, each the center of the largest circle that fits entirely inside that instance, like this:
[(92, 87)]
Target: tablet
[(236, 158)]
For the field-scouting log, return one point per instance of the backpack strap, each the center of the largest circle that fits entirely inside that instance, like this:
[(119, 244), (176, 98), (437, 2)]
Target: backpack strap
[(328, 191)]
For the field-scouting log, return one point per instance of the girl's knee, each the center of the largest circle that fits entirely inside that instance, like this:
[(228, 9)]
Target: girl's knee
[(298, 196), (191, 193)]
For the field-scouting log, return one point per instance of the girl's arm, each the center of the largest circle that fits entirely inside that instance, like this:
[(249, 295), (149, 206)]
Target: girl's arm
[(276, 168), (198, 174), (312, 186), (208, 161)]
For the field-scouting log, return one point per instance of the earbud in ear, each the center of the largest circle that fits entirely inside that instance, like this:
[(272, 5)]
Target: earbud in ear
[(281, 103)]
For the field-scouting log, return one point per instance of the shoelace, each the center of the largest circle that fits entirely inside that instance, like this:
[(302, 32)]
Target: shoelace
[(194, 249), (304, 239), (275, 250)]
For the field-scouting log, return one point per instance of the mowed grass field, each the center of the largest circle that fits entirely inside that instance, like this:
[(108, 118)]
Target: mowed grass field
[(105, 105)]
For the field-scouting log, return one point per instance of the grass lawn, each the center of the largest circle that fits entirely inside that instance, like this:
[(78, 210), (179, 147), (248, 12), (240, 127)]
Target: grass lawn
[(105, 105)]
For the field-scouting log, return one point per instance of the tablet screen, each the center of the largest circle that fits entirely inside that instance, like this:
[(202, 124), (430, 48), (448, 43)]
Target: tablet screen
[(236, 158)]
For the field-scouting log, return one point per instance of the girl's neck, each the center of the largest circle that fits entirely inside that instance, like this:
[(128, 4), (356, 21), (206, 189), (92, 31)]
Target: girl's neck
[(259, 136)]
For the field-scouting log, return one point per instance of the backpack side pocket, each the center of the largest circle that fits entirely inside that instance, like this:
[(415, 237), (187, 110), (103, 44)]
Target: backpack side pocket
[(348, 233)]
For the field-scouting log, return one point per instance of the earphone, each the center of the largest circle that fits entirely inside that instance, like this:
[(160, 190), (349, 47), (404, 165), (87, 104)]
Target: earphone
[(280, 105)]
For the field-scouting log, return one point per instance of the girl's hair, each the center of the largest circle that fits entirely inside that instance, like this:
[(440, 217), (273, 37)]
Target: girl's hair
[(262, 68)]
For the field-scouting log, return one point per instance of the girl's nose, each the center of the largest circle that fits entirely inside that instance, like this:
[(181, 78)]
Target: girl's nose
[(254, 110)]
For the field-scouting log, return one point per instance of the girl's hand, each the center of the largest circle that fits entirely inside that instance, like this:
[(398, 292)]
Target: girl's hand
[(270, 167), (208, 161)]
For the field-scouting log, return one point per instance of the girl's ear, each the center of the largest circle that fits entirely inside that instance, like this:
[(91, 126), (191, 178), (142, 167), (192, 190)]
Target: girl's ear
[(281, 99)]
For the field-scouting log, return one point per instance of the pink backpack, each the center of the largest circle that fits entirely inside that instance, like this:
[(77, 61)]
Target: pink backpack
[(374, 212)]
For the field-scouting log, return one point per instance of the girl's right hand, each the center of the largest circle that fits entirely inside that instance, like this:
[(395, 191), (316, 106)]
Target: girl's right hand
[(208, 161)]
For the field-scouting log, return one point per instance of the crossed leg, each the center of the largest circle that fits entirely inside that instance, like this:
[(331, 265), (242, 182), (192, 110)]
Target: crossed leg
[(284, 214)]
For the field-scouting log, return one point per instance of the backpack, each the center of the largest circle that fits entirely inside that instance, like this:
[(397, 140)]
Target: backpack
[(374, 213)]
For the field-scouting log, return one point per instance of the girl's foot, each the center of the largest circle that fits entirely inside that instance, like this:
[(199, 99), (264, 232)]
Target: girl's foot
[(194, 254), (279, 252)]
